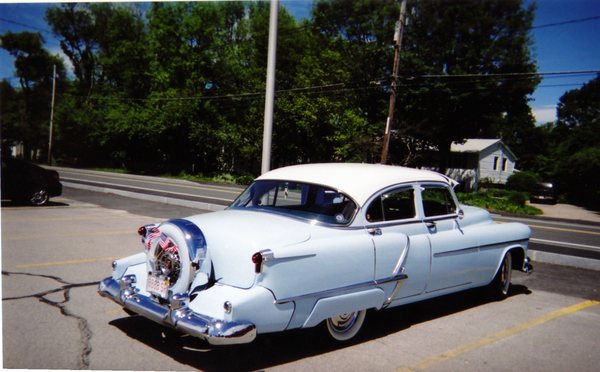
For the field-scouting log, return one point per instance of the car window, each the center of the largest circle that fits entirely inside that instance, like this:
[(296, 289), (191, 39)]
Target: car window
[(309, 201), (437, 201), (396, 205)]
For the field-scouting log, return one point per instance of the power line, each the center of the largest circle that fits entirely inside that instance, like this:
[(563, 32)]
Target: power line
[(514, 74), (27, 26), (580, 20)]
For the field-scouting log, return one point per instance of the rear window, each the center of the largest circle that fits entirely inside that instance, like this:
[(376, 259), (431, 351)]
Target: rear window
[(297, 199)]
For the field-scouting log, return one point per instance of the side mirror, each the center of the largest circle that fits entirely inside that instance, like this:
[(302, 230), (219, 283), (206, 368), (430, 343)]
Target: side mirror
[(461, 214)]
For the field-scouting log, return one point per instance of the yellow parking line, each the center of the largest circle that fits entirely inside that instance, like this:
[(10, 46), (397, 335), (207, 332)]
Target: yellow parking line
[(67, 262), (453, 353), (69, 235)]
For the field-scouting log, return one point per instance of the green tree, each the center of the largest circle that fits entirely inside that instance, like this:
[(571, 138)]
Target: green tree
[(28, 109), (75, 24), (575, 142), (462, 67)]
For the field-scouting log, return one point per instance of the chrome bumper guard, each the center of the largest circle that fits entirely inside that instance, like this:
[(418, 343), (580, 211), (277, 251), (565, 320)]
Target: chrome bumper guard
[(527, 266), (177, 314)]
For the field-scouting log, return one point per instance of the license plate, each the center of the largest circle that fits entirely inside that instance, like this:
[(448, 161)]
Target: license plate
[(158, 286)]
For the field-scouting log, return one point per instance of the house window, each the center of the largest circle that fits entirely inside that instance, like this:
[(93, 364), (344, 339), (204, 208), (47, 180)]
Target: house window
[(504, 164), (495, 163)]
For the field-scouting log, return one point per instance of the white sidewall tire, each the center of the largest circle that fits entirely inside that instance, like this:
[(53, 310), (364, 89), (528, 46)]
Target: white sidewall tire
[(185, 275), (501, 283), (345, 334)]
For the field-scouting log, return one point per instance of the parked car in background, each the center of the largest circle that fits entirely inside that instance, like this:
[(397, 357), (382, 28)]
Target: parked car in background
[(543, 192), (312, 245), (25, 182)]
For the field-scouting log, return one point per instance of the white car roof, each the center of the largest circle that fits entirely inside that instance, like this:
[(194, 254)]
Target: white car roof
[(358, 181)]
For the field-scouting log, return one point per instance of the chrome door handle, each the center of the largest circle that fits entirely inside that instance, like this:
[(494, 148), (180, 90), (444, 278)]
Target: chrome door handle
[(374, 231)]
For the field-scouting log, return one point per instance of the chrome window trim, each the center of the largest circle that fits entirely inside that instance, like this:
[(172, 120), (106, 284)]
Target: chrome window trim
[(388, 189), (439, 185)]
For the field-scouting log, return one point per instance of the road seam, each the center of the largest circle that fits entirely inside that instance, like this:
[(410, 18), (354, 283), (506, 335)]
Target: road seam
[(82, 323), (66, 262)]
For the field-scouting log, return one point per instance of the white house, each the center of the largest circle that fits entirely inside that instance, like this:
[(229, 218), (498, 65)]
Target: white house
[(478, 159)]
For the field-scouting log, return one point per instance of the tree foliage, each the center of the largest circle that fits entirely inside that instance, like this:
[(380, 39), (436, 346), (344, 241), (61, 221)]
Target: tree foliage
[(574, 143), (26, 112), (460, 72), (179, 86)]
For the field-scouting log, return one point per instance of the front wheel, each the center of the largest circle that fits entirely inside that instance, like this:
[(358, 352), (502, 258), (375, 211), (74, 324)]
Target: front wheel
[(345, 326), (501, 283)]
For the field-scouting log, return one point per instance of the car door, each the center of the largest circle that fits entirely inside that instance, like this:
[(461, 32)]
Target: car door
[(401, 241), (454, 253)]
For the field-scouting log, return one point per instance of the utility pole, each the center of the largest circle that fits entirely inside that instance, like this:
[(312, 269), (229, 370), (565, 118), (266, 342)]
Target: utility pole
[(270, 93), (51, 115), (390, 119)]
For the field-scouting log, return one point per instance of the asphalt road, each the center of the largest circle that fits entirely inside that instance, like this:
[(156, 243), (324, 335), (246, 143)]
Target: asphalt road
[(53, 257), (171, 191), (565, 242)]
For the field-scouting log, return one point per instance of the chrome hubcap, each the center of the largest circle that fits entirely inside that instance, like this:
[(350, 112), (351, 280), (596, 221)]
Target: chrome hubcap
[(506, 273), (343, 322), (39, 197)]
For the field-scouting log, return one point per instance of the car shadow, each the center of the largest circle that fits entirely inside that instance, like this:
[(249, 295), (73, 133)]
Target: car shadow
[(284, 347), (50, 203)]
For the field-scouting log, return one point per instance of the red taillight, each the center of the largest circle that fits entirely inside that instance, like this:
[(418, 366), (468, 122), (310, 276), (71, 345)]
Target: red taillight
[(142, 231), (257, 259)]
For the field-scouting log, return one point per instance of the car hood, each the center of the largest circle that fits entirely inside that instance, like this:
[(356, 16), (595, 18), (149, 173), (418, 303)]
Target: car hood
[(233, 236)]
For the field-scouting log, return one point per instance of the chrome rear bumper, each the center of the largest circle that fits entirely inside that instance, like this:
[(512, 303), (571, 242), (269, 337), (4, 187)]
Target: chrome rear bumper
[(527, 266), (176, 314)]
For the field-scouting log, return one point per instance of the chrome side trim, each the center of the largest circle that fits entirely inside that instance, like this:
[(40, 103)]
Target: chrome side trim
[(344, 290), (177, 315), (499, 245), (398, 269), (456, 252)]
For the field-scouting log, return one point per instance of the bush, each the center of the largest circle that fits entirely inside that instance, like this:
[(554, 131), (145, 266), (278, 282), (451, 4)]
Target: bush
[(522, 181), (500, 201), (518, 198)]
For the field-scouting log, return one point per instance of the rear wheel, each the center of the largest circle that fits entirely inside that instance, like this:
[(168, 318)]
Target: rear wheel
[(39, 197), (501, 283), (345, 326)]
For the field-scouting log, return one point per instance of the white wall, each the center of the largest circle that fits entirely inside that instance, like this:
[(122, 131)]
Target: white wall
[(486, 164)]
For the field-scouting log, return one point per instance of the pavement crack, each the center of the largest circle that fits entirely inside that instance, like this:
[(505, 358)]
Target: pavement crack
[(82, 323)]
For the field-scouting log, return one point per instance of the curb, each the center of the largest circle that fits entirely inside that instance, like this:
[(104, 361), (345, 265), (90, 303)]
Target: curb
[(564, 260), (545, 218)]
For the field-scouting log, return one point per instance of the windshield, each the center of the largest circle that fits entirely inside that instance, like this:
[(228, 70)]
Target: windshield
[(296, 199)]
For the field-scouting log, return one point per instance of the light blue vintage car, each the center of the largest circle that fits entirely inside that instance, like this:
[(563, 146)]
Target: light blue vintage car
[(311, 244)]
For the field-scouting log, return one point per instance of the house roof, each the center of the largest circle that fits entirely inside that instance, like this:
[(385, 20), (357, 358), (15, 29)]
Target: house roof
[(478, 145)]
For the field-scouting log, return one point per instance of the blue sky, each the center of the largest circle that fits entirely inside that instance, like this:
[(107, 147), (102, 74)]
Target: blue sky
[(557, 47)]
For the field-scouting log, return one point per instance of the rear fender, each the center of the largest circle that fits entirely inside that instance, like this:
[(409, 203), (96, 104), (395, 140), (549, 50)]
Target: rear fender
[(332, 306)]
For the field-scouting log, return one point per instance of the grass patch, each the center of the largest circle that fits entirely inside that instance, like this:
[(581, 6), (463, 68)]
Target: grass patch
[(496, 200), (222, 178), (111, 170)]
